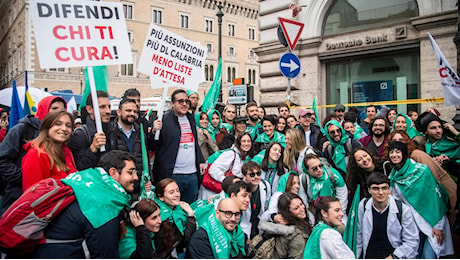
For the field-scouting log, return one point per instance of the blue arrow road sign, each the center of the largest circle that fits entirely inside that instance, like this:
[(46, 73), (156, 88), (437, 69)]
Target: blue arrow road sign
[(290, 65)]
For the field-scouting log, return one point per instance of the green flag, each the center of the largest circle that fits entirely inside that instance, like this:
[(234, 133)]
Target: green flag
[(101, 79), (317, 116), (145, 169), (210, 100), (349, 235)]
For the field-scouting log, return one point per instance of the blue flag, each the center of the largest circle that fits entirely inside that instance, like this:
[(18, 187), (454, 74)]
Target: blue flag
[(16, 110)]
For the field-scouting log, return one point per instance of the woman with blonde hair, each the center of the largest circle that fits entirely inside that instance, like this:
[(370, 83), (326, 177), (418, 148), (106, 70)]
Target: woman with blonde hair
[(295, 150), (48, 155)]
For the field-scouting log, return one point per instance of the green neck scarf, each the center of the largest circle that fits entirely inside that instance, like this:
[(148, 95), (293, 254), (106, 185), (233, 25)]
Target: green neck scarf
[(312, 248), (444, 146), (320, 186), (339, 147), (128, 244), (223, 243), (420, 188), (203, 209), (213, 130), (283, 182), (410, 129), (258, 158), (227, 127), (176, 215), (197, 121), (253, 130), (99, 196), (277, 137), (358, 131)]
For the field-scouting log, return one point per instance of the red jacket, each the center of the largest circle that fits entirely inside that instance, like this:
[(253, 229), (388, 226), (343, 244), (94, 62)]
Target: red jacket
[(36, 167)]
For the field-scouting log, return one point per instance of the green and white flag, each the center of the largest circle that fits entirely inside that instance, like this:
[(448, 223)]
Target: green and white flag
[(317, 116), (211, 97), (349, 235), (145, 169), (101, 79)]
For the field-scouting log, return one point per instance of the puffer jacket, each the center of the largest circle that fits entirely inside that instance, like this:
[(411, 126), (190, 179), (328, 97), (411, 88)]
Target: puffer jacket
[(290, 242)]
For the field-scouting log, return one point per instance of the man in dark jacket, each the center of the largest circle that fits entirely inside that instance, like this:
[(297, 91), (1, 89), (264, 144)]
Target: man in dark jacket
[(90, 226), (208, 243), (126, 136), (177, 153), (379, 130), (11, 149), (85, 143), (311, 132)]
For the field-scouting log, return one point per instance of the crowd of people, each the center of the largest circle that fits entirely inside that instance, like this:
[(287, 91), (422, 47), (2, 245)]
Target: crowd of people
[(221, 185)]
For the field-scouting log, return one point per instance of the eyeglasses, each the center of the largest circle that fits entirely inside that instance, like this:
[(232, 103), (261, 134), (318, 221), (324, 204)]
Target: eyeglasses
[(229, 214), (182, 101), (316, 168), (253, 174)]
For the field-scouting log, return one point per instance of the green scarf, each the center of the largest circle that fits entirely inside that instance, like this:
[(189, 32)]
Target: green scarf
[(323, 186), (176, 215), (203, 209), (312, 248), (128, 244), (420, 188), (258, 158), (443, 146), (358, 132), (99, 196), (253, 130), (277, 137), (410, 129), (227, 127), (223, 243), (339, 147), (212, 129), (283, 182)]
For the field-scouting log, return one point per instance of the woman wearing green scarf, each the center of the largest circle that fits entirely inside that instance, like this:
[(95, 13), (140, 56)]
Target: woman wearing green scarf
[(339, 145), (325, 242), (404, 123), (215, 128), (207, 144), (145, 221), (414, 184), (269, 135), (178, 218), (271, 163)]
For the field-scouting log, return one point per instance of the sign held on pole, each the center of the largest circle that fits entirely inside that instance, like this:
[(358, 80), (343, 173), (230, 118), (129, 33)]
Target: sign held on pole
[(292, 30)]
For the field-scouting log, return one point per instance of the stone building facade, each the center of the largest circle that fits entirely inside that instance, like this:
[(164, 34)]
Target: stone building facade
[(193, 19), (351, 50)]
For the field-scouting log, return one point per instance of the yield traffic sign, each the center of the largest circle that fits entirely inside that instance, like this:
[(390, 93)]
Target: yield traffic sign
[(292, 30), (289, 65)]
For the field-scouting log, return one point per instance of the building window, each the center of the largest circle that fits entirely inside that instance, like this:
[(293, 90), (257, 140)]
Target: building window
[(252, 34), (209, 47), (184, 20), (231, 74), (251, 76), (231, 29), (157, 16), (128, 11), (231, 51), (208, 25), (209, 72), (346, 16), (126, 70), (57, 69)]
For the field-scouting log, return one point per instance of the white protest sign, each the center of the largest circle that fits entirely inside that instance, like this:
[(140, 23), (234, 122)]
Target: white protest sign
[(77, 33), (169, 57)]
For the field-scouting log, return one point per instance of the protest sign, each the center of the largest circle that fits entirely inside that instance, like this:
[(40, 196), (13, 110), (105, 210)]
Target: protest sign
[(169, 57), (71, 33)]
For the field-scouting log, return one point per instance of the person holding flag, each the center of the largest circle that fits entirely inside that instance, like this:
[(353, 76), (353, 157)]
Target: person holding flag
[(385, 227)]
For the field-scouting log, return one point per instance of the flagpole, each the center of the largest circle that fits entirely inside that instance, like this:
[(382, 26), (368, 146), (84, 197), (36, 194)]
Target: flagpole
[(96, 113), (161, 109)]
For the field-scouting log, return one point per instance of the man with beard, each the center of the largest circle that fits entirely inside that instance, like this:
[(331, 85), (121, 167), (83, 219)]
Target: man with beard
[(254, 127), (378, 133), (126, 136), (310, 131), (133, 93), (221, 237), (85, 141)]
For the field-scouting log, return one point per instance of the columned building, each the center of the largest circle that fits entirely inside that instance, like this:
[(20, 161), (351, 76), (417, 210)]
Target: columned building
[(192, 19), (358, 50)]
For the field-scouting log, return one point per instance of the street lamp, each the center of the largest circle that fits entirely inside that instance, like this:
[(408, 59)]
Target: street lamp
[(219, 15)]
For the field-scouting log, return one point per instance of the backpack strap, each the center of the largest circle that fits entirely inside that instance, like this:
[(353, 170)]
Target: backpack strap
[(331, 176), (85, 130), (348, 146)]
